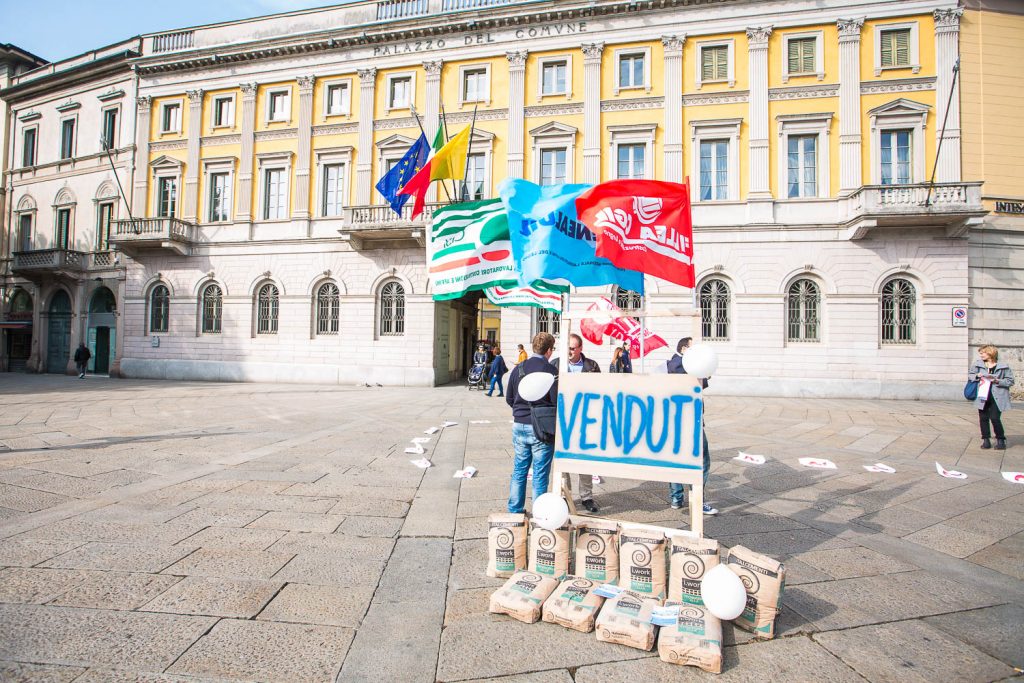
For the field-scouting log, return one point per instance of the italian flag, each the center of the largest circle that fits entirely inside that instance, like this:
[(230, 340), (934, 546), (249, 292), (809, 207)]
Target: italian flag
[(448, 161)]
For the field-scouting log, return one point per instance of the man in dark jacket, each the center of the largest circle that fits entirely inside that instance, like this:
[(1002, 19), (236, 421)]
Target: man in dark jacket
[(580, 363), (82, 356), (675, 491), (529, 450)]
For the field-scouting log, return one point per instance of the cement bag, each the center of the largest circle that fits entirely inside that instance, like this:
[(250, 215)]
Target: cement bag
[(689, 559), (549, 550), (506, 544), (765, 580), (574, 604), (597, 551), (522, 596), (695, 639), (642, 562), (626, 620)]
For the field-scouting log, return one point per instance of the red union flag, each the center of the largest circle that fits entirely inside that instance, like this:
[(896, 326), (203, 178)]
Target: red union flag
[(608, 320), (642, 225)]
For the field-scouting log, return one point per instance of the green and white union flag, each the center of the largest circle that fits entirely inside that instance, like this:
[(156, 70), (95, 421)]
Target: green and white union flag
[(536, 295), (470, 248)]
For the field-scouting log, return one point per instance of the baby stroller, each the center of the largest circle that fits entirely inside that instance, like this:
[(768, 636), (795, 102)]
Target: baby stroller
[(478, 371)]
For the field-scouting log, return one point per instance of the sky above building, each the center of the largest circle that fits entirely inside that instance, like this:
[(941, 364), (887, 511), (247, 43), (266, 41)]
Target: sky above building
[(58, 29)]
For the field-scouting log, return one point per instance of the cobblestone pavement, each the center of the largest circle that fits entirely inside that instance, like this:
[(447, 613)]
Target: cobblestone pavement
[(164, 531)]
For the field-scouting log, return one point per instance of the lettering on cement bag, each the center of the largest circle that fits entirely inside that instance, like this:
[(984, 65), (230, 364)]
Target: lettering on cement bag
[(597, 551), (574, 604), (523, 595), (642, 562), (626, 620), (549, 550), (765, 581), (506, 544), (695, 639), (689, 560)]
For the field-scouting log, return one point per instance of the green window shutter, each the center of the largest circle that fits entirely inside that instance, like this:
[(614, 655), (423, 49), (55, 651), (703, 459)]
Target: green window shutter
[(887, 40), (902, 47), (721, 63), (707, 65), (808, 45), (793, 56)]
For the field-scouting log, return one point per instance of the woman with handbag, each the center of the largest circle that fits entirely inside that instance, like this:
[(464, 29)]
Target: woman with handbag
[(993, 394)]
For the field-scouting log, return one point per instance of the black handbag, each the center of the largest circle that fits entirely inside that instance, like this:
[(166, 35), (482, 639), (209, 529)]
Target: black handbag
[(542, 418), (971, 390)]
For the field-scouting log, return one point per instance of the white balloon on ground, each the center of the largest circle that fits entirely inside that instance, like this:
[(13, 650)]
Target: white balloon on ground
[(723, 593), (535, 386), (700, 361), (550, 511)]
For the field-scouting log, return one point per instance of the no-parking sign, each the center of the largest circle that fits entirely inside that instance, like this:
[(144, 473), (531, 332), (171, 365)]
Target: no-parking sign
[(959, 316)]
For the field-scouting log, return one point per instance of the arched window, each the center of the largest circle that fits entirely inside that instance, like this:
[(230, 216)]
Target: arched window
[(392, 309), (628, 300), (714, 310), (159, 309), (328, 307), (899, 301), (266, 309), (548, 321), (803, 311), (213, 307)]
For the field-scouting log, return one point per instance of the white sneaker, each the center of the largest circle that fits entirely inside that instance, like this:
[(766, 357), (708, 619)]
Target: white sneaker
[(709, 510)]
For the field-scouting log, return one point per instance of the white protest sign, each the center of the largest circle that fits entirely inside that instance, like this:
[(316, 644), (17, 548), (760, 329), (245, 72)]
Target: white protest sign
[(630, 426)]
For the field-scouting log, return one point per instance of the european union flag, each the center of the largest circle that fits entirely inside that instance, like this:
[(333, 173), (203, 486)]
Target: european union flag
[(402, 172)]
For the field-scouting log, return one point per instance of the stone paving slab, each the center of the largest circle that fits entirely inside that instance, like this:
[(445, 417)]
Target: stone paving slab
[(114, 590), (323, 605), (20, 672), (120, 557), (230, 564), (217, 597), (996, 631)]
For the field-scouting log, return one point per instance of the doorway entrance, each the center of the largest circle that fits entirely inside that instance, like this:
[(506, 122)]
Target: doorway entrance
[(101, 336), (58, 337)]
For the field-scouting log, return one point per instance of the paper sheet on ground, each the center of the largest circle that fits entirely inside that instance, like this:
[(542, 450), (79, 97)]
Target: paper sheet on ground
[(465, 473), (421, 439), (879, 467), (949, 474), (449, 423), (422, 463), (432, 430), (751, 458), (820, 463), (1015, 477), (479, 422), (415, 449)]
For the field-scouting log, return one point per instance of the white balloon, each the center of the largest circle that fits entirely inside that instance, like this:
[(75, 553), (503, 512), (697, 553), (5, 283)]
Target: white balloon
[(723, 593), (700, 361), (550, 511), (535, 386)]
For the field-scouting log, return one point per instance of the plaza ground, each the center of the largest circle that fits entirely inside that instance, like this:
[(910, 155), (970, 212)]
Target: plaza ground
[(167, 531)]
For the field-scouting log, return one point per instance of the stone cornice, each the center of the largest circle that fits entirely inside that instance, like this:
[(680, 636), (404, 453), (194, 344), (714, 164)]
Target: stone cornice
[(335, 129), (633, 104), (283, 134), (554, 109), (214, 140), (730, 97), (800, 92), (484, 115), (167, 146), (898, 85), (109, 95)]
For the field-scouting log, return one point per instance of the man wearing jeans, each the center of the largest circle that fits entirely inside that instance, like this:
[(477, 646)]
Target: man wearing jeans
[(675, 491), (580, 363), (529, 450)]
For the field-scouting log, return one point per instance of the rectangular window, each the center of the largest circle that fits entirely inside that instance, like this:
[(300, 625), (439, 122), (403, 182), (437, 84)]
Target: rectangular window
[(338, 101), (631, 71), (28, 147), (63, 228), (67, 139), (800, 55), (552, 166), (895, 47), (802, 165), (630, 161), (474, 85), (714, 169), (401, 89), (275, 194), (109, 128), (105, 215), (554, 78), (895, 151), (333, 190), (223, 112), (475, 178), (167, 197), (714, 63), (220, 198), (279, 105), (170, 121), (24, 232)]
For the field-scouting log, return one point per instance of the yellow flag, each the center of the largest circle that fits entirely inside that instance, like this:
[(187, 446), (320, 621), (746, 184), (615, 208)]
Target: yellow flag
[(450, 160)]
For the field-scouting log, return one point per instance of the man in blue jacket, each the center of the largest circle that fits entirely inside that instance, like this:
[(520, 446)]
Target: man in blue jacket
[(675, 367), (529, 450), (498, 370)]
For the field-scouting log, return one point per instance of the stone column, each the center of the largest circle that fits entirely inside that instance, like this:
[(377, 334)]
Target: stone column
[(947, 58), (849, 105), (516, 112), (79, 318), (591, 113), (673, 107), (305, 138), (759, 189), (244, 202), (432, 69), (190, 198), (140, 189), (364, 154)]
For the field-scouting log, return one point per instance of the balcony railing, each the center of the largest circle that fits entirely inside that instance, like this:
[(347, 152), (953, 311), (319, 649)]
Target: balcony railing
[(169, 233), (169, 42), (43, 260), (383, 216), (950, 205)]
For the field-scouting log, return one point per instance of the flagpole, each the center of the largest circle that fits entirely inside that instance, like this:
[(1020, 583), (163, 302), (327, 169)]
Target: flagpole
[(412, 108), (444, 127), (469, 148)]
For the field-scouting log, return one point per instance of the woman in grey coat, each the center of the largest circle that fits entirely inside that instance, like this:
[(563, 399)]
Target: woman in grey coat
[(999, 378)]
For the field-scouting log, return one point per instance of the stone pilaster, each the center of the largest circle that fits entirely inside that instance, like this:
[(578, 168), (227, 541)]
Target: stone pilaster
[(849, 105), (143, 106), (673, 107), (432, 70), (947, 59), (190, 198), (305, 138), (245, 160), (591, 113), (516, 112), (364, 154), (759, 188)]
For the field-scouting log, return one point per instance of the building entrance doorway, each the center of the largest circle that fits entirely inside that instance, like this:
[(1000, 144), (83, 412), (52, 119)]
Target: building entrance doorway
[(101, 337), (58, 336)]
